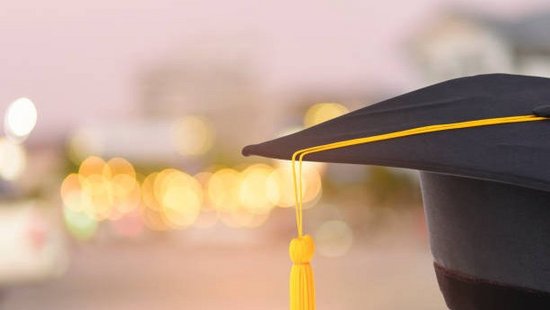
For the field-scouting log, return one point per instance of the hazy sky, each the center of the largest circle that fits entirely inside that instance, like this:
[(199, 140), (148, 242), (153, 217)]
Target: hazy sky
[(78, 60)]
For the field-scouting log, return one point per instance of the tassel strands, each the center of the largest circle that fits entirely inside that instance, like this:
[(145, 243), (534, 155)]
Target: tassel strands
[(302, 287)]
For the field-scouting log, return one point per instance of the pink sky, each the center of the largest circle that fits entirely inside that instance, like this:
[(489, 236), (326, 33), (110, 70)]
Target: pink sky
[(78, 60)]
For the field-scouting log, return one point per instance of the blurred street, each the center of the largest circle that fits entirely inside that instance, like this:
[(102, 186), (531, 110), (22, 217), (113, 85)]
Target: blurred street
[(390, 272)]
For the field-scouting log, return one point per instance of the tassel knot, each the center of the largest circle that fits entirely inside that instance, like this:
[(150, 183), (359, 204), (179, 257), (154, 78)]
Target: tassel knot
[(301, 249)]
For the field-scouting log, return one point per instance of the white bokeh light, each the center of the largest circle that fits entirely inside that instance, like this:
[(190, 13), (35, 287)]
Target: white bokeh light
[(334, 238), (12, 160), (20, 119)]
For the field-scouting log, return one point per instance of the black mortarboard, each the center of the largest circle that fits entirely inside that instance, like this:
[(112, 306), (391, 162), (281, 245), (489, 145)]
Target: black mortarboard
[(482, 144)]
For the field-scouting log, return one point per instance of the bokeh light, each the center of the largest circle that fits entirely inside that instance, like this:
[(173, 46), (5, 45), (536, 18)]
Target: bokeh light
[(241, 197), (180, 196), (223, 190), (13, 160), (80, 225), (334, 238), (20, 119), (101, 190), (281, 189), (193, 136), (171, 199), (254, 188), (322, 112)]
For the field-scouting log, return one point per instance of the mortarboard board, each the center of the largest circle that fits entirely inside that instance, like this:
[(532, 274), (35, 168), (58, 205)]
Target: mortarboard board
[(481, 144)]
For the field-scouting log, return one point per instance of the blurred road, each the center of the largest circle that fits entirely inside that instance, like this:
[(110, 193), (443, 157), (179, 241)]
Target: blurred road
[(173, 273)]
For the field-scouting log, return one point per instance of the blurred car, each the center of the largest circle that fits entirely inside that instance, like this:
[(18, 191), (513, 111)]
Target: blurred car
[(32, 244)]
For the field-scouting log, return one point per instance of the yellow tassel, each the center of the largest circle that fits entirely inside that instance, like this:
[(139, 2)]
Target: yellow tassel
[(302, 288)]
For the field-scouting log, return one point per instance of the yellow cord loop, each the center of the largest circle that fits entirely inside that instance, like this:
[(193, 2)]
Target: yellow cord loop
[(302, 292)]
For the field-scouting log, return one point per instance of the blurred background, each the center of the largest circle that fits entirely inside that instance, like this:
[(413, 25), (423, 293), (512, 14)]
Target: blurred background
[(122, 185)]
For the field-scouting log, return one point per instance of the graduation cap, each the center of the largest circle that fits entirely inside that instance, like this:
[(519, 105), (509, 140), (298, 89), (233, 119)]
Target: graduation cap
[(482, 145)]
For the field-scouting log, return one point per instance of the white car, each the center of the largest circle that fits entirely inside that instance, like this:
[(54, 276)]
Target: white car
[(32, 244)]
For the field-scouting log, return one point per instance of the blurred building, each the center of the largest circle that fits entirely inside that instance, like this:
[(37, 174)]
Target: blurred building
[(459, 44), (214, 79), (198, 105)]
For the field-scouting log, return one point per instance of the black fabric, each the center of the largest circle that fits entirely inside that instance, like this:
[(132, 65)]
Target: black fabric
[(543, 110), (512, 153), (463, 292), (495, 231)]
